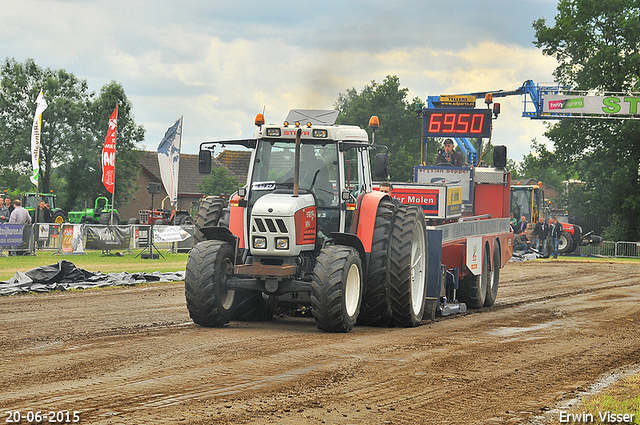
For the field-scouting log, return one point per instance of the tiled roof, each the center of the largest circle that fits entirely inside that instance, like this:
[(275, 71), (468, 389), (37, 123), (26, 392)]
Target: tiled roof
[(237, 162), (189, 178)]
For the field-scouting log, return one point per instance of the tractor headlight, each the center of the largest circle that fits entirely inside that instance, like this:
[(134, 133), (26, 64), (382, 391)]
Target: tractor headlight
[(259, 242), (282, 243)]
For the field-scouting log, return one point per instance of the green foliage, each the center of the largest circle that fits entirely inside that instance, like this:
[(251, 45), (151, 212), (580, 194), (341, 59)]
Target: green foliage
[(597, 45), (221, 181), (74, 128), (400, 127)]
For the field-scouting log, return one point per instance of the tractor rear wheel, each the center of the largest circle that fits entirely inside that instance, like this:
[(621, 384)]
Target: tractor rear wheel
[(408, 268), (336, 288), (375, 309), (105, 218), (59, 216), (473, 289), (209, 266), (254, 306), (208, 215), (565, 244), (494, 276)]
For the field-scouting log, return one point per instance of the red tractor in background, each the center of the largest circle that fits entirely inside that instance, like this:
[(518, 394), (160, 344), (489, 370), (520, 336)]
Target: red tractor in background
[(163, 216)]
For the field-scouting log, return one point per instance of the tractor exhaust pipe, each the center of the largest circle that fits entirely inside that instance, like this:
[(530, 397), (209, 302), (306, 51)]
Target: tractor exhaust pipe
[(296, 170)]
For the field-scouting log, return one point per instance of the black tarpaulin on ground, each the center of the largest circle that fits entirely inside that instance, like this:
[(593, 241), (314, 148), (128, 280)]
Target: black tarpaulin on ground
[(65, 275)]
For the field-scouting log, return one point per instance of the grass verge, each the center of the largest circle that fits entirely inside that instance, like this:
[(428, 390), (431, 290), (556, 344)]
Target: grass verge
[(93, 261), (621, 398)]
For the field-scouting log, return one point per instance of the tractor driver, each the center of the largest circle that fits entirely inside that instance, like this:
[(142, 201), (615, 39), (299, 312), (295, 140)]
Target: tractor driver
[(314, 175)]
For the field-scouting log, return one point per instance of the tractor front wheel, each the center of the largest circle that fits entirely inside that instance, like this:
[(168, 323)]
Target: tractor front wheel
[(565, 244), (336, 288), (209, 266)]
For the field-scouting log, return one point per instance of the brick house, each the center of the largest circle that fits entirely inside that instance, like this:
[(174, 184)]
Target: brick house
[(237, 162)]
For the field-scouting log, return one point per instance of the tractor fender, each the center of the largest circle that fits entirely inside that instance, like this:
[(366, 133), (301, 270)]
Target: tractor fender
[(367, 212), (349, 239), (567, 227), (220, 233)]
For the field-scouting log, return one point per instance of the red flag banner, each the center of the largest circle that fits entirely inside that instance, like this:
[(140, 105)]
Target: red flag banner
[(109, 153)]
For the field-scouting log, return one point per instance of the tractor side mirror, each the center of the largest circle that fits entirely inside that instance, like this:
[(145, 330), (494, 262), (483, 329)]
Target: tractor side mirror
[(204, 162), (381, 165)]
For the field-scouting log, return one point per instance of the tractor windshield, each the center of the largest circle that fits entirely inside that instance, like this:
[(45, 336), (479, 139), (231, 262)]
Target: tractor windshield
[(274, 169), (521, 203)]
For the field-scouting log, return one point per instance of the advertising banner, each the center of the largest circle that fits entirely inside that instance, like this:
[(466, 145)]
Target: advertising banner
[(599, 105), (72, 239), (169, 234), (36, 128), (108, 237), (169, 160), (11, 234), (109, 153)]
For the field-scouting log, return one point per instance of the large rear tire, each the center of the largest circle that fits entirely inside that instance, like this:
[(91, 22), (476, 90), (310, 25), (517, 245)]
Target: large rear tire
[(254, 306), (408, 267), (105, 218), (473, 289), (336, 288), (210, 264), (565, 244), (494, 276), (209, 214), (375, 309)]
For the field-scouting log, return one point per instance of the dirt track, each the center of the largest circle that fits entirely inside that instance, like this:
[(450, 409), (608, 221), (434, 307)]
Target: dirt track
[(132, 356)]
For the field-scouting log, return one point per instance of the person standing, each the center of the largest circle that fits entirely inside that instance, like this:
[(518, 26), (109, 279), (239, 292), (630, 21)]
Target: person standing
[(20, 216), (542, 232), (522, 225), (9, 205), (42, 214), (556, 230), (4, 214)]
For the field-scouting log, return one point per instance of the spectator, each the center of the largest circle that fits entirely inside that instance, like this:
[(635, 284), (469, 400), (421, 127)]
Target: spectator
[(450, 156), (9, 205), (556, 230), (513, 222), (541, 232), (528, 233), (522, 225), (42, 214), (520, 242), (19, 214), (4, 214), (385, 187)]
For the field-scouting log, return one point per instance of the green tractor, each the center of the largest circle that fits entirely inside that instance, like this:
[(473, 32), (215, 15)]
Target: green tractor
[(31, 200), (100, 214)]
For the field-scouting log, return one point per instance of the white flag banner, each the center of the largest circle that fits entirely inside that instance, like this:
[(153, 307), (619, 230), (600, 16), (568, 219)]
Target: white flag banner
[(169, 160), (41, 105)]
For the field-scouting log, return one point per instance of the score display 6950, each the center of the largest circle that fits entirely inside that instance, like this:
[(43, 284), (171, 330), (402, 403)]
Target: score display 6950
[(457, 122)]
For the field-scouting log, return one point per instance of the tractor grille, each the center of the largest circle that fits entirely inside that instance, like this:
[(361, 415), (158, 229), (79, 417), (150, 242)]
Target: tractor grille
[(269, 225)]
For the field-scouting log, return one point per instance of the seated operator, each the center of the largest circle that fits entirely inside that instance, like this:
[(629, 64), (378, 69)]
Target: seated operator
[(314, 175), (450, 156)]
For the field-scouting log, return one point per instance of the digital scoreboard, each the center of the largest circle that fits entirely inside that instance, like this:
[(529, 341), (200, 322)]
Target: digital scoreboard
[(457, 122)]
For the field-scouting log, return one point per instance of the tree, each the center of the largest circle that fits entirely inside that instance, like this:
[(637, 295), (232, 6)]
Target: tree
[(400, 127), (597, 46), (74, 128), (221, 181)]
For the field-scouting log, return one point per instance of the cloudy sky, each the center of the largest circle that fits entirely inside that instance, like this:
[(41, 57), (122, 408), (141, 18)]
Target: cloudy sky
[(218, 63)]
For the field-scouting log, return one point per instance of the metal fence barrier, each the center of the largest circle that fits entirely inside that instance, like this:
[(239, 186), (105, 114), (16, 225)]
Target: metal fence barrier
[(65, 238), (612, 249)]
